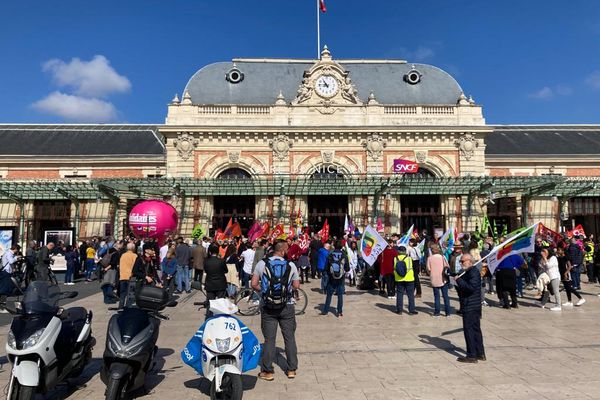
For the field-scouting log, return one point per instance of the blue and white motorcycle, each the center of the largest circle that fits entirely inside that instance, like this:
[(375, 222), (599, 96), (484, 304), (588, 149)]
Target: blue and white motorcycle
[(221, 350)]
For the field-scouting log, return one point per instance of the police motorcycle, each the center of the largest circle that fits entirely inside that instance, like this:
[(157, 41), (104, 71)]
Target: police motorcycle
[(222, 349), (131, 340), (46, 343)]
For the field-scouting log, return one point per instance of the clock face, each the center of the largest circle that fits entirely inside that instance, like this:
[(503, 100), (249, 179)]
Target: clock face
[(326, 86)]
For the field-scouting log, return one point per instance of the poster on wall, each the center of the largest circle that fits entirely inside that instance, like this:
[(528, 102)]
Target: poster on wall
[(66, 235), (7, 236)]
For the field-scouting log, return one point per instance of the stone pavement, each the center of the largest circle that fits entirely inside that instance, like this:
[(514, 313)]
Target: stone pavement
[(374, 354)]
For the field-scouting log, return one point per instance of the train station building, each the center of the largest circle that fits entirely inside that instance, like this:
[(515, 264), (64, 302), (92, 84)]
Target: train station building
[(288, 140)]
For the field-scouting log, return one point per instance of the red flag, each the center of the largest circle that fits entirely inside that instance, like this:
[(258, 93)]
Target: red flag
[(322, 6), (277, 233), (219, 235), (550, 236), (228, 228), (236, 230), (324, 232), (304, 242), (577, 231), (291, 233)]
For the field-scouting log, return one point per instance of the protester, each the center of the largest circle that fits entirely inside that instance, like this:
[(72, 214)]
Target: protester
[(405, 281), (415, 254), (183, 254), (215, 280), (550, 265), (565, 267), (506, 276), (322, 264), (469, 284), (438, 270), (352, 253), (337, 267), (169, 269), (109, 276), (248, 258), (277, 309), (575, 257), (198, 255), (314, 247), (126, 266), (386, 270)]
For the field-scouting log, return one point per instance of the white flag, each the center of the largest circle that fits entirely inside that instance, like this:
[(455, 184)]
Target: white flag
[(371, 245)]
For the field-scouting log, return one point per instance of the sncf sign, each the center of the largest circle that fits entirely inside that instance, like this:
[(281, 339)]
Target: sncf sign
[(405, 167)]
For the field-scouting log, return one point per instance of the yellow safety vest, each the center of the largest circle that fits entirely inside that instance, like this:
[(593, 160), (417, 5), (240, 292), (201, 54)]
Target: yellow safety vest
[(589, 255), (410, 273)]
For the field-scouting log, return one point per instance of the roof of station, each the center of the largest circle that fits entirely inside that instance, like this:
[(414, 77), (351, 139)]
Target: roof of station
[(544, 141), (264, 79), (98, 140)]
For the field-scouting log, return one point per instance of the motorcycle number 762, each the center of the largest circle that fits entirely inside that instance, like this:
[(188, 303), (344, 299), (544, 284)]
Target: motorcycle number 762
[(230, 326)]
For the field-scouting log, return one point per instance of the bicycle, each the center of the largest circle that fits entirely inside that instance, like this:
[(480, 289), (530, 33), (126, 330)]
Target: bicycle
[(248, 302)]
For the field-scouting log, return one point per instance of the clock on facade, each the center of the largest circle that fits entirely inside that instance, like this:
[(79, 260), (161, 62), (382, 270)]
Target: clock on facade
[(326, 86)]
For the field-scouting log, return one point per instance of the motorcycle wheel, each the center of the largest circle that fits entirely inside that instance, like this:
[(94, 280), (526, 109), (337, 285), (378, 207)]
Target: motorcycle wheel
[(116, 389), (21, 392), (232, 388)]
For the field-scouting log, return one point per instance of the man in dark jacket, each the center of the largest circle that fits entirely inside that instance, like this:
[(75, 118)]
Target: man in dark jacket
[(469, 290), (575, 256), (43, 262), (314, 246)]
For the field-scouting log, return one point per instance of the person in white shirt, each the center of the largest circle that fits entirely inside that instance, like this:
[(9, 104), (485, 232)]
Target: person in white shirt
[(9, 260), (248, 257), (162, 253), (415, 254), (550, 264)]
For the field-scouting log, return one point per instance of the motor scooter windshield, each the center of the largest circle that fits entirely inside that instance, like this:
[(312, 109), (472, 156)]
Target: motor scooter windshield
[(40, 298)]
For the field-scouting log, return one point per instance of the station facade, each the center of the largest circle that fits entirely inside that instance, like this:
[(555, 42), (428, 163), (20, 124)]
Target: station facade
[(285, 141)]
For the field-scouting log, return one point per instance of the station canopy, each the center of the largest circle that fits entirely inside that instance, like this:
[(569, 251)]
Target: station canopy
[(276, 185)]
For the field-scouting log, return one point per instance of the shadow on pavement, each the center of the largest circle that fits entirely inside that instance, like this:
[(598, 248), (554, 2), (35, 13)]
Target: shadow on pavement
[(69, 387), (203, 384), (156, 374), (442, 344)]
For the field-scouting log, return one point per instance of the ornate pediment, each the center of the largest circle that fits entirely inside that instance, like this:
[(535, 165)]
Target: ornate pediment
[(326, 84)]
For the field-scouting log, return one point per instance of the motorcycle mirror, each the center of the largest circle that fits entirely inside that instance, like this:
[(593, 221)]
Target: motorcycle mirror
[(197, 285)]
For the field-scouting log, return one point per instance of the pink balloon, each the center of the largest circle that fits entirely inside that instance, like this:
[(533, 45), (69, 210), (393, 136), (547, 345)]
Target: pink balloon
[(153, 219)]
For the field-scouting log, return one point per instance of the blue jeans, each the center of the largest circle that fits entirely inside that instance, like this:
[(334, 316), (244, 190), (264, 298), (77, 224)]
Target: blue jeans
[(436, 299), (335, 286), (123, 292), (520, 283), (90, 267), (576, 276), (324, 280), (245, 279), (183, 277), (69, 273), (532, 275), (108, 292), (409, 288)]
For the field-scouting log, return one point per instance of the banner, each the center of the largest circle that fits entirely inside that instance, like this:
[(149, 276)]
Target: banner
[(324, 232), (577, 231), (523, 242), (550, 236), (278, 233), (304, 241), (371, 245), (406, 238), (448, 238)]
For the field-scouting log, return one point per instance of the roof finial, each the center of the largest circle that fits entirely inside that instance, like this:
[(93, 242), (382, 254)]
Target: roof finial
[(187, 99), (280, 99), (462, 99), (325, 54), (372, 100), (175, 99), (471, 100)]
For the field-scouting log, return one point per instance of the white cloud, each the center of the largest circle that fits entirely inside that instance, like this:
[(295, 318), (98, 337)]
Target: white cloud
[(549, 93), (76, 108), (423, 53), (94, 78), (593, 80)]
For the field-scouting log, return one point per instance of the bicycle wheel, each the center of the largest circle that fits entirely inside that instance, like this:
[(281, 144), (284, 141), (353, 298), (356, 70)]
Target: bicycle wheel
[(300, 301), (248, 302)]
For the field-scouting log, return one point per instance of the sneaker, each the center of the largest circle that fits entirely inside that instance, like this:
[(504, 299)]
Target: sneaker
[(471, 360), (567, 304), (266, 376), (580, 302), (392, 297), (413, 312), (436, 315), (556, 308), (291, 374)]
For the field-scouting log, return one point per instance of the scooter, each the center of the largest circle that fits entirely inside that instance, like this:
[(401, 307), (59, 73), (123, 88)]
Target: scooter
[(222, 349), (46, 343), (131, 341)]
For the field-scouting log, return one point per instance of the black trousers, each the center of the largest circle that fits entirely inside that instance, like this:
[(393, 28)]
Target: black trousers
[(417, 271), (313, 266), (198, 275), (506, 285), (473, 335), (285, 319)]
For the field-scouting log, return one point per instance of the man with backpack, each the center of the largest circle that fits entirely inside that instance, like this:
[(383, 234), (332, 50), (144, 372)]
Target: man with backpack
[(276, 278), (404, 276), (337, 266)]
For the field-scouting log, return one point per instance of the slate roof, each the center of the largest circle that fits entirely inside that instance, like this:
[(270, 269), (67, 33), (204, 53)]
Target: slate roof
[(264, 79), (81, 140), (544, 141)]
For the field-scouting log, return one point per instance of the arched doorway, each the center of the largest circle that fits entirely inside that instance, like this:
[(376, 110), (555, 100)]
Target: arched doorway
[(331, 207), (239, 208), (422, 211)]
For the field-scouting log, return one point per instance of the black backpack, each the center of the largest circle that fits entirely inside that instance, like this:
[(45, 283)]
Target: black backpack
[(401, 267), (337, 265), (275, 283)]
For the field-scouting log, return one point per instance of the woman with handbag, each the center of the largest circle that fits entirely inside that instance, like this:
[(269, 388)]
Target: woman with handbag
[(109, 277), (439, 271)]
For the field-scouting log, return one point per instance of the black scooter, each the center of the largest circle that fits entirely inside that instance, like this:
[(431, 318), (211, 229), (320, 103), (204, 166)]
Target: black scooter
[(131, 341)]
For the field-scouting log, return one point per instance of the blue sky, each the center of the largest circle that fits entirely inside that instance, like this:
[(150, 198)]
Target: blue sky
[(525, 61)]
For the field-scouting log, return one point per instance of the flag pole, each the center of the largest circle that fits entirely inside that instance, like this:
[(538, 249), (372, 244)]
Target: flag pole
[(318, 30)]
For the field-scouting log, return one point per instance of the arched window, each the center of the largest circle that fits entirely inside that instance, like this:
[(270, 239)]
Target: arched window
[(234, 173)]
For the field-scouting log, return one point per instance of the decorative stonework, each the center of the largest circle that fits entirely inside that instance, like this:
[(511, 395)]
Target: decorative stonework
[(327, 156), (185, 143), (374, 146), (421, 156), (281, 146), (233, 155), (467, 145)]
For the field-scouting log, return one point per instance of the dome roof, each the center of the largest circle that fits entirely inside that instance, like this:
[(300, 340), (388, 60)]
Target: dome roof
[(263, 80)]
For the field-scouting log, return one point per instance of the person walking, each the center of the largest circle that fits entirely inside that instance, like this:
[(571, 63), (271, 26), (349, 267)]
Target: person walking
[(438, 269), (386, 270), (215, 281), (506, 280), (198, 254), (564, 267), (275, 278), (90, 262), (550, 265), (43, 262), (469, 285), (404, 276), (183, 254), (337, 267), (575, 257)]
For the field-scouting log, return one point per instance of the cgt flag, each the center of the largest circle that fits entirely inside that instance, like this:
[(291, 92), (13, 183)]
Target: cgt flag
[(523, 242), (371, 245)]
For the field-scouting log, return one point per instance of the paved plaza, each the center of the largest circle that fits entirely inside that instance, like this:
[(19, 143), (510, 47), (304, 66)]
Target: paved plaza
[(375, 354)]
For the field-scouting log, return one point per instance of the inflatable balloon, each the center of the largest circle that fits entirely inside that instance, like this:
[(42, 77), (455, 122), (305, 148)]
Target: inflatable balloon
[(153, 219)]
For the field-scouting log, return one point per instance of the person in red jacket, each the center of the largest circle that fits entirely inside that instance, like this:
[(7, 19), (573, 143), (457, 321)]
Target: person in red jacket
[(387, 271)]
